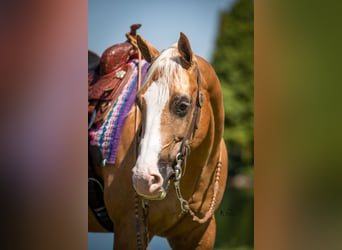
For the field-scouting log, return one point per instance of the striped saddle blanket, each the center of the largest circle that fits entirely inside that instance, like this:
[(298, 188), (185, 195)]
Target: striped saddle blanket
[(107, 135)]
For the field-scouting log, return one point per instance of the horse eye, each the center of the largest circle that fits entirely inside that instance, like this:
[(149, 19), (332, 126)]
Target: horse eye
[(180, 106), (183, 107)]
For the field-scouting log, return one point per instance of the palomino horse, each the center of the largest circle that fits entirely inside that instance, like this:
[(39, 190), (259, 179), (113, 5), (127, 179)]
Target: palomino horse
[(171, 184)]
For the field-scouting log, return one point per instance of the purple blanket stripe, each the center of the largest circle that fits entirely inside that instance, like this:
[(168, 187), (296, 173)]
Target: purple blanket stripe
[(107, 136), (123, 115)]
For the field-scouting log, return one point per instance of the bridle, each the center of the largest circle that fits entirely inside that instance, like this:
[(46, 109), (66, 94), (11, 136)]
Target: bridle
[(184, 150), (179, 169), (183, 154)]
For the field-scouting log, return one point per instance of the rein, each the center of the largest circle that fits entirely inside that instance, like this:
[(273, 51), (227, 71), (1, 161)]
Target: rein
[(183, 154), (184, 203), (142, 240)]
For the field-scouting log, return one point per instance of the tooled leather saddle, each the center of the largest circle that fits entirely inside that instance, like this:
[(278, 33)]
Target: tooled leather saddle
[(107, 76)]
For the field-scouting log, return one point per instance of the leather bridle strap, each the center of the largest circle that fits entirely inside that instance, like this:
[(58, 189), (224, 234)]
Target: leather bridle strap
[(184, 149)]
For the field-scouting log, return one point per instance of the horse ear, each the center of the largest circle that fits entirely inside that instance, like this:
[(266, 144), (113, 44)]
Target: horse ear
[(148, 51), (185, 50)]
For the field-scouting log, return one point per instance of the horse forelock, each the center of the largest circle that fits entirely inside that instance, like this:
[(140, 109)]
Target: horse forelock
[(168, 66)]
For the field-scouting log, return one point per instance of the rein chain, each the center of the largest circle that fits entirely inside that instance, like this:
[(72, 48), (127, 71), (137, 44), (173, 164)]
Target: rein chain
[(184, 203)]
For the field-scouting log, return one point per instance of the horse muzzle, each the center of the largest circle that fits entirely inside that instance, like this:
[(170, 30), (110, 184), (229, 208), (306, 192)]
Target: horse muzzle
[(152, 186)]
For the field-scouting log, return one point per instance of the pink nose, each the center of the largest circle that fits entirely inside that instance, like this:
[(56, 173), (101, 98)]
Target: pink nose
[(148, 185)]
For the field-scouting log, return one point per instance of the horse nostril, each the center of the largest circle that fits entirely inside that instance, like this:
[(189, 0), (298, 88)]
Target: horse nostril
[(155, 179), (149, 184)]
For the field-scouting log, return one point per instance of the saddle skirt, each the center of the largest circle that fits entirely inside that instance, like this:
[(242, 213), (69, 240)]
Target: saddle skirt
[(106, 135)]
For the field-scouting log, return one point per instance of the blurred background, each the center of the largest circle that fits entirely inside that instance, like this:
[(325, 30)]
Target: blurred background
[(297, 122), (221, 31), (233, 61)]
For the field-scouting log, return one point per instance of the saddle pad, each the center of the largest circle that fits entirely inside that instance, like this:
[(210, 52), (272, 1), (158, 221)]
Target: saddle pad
[(107, 135)]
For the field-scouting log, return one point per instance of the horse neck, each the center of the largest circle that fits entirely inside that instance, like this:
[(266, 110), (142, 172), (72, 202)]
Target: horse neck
[(212, 86)]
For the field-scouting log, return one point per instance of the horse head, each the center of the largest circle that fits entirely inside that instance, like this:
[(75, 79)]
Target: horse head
[(168, 101)]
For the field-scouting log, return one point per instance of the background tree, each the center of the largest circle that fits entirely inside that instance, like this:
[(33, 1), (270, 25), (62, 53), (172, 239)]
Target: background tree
[(233, 61)]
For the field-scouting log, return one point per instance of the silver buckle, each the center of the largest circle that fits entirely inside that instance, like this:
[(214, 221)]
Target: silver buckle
[(120, 74)]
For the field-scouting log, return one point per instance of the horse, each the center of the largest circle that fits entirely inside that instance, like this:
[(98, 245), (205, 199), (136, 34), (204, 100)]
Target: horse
[(173, 135)]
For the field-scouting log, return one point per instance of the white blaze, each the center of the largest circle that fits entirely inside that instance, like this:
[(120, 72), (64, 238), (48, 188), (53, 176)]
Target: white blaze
[(155, 97)]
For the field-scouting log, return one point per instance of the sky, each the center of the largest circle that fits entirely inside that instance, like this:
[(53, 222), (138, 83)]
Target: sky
[(162, 21)]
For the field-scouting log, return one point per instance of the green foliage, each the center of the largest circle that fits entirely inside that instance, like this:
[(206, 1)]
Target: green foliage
[(233, 61), (235, 220)]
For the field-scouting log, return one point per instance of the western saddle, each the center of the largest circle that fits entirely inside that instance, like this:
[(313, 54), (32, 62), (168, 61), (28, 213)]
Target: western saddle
[(108, 75)]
